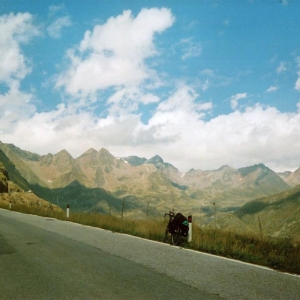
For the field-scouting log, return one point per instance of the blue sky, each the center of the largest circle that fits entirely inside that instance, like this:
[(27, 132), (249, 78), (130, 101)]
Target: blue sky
[(200, 83)]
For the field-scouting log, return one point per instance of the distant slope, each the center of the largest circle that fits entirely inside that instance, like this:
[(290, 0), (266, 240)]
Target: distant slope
[(291, 178), (80, 198), (279, 214)]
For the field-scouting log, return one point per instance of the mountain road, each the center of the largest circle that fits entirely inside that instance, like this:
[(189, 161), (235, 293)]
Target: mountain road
[(46, 258)]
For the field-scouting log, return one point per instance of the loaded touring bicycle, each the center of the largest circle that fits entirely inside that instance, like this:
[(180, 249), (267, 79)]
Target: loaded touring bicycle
[(177, 228)]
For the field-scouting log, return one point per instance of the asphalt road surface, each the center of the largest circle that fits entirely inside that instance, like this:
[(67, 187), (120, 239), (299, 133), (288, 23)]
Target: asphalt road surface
[(44, 258)]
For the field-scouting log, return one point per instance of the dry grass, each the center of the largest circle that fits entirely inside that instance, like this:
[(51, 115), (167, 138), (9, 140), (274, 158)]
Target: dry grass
[(148, 229), (280, 254), (34, 210)]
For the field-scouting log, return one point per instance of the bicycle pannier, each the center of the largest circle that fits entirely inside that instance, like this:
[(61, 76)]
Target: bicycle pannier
[(179, 219), (184, 231)]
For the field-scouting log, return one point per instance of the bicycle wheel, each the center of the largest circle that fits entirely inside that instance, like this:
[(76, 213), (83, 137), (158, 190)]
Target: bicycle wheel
[(176, 237), (166, 234)]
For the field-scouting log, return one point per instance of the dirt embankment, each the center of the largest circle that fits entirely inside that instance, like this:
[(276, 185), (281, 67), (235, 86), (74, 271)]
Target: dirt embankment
[(27, 198)]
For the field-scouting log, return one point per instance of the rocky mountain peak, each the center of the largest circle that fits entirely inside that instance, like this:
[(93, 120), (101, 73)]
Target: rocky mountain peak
[(63, 153), (135, 160), (224, 167), (10, 148), (91, 152), (105, 153), (46, 160), (106, 159), (62, 156), (248, 170), (155, 160), (262, 166)]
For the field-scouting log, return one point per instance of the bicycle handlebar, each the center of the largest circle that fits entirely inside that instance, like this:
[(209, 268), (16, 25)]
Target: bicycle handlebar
[(170, 214)]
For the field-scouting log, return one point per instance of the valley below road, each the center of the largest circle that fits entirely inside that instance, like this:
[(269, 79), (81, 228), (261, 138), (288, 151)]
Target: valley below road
[(45, 258)]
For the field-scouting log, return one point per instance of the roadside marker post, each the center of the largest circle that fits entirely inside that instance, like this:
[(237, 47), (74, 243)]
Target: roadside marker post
[(9, 204), (190, 228), (68, 210)]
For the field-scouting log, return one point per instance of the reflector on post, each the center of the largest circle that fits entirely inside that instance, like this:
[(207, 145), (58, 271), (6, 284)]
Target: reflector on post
[(190, 228)]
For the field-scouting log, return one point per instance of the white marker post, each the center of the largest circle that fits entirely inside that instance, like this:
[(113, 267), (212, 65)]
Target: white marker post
[(190, 228), (68, 210), (9, 204)]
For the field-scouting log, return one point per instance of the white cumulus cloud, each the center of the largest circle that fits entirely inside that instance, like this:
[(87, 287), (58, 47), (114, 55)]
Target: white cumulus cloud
[(177, 131), (14, 106), (15, 29), (114, 54)]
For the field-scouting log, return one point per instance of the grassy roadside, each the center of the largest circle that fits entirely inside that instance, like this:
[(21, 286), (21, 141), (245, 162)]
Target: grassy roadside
[(279, 254)]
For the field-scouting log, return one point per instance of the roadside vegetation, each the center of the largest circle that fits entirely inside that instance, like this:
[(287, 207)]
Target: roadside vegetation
[(277, 253)]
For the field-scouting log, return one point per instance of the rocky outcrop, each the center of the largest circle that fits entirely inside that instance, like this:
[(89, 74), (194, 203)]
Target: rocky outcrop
[(3, 179)]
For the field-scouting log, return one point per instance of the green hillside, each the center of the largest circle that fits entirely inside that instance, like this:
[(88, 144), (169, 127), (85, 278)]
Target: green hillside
[(14, 174)]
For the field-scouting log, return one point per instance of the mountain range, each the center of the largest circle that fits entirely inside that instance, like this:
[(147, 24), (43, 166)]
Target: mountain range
[(97, 181)]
